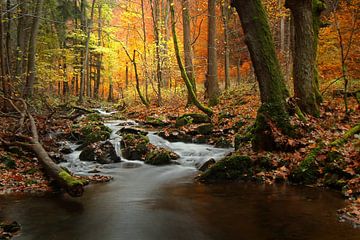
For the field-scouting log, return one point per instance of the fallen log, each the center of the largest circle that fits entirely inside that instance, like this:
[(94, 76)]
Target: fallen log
[(72, 185)]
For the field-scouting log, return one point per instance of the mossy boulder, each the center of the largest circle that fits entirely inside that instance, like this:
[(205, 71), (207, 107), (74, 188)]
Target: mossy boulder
[(230, 168), (160, 156), (205, 165), (156, 122), (264, 163), (175, 136), (205, 129), (134, 146), (307, 172), (8, 162), (222, 142), (91, 129), (101, 152), (190, 118), (132, 130)]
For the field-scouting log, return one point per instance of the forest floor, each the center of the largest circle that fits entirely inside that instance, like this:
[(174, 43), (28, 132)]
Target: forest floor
[(20, 171)]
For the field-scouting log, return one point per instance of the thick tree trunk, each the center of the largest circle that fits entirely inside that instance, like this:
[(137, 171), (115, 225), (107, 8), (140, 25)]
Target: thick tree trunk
[(304, 56), (31, 71), (212, 90), (188, 53), (272, 114)]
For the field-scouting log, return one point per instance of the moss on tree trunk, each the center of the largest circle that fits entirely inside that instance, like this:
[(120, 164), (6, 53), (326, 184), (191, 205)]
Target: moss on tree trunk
[(273, 92)]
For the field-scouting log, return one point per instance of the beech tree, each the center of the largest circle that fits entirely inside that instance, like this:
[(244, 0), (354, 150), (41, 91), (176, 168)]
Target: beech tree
[(31, 68), (188, 54), (273, 93), (305, 73), (212, 90)]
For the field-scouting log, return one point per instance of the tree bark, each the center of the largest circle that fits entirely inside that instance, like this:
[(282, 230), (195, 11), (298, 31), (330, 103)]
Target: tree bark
[(31, 71), (99, 55), (225, 10), (188, 53), (212, 90), (272, 114), (21, 39), (304, 56)]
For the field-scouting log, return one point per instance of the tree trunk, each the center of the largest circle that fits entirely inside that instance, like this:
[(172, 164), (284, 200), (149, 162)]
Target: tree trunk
[(212, 90), (31, 71), (184, 75), (318, 7), (238, 68), (21, 40), (272, 114), (304, 56), (99, 55), (188, 53), (3, 72), (83, 22), (155, 10), (225, 10)]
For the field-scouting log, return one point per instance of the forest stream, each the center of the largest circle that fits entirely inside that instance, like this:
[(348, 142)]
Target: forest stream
[(146, 202)]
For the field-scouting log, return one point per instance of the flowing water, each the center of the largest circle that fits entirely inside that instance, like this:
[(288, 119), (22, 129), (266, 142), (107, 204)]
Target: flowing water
[(164, 203)]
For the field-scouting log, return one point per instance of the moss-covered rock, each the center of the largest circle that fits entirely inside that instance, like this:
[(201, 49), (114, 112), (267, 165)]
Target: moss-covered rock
[(101, 152), (158, 157), (192, 118), (308, 170), (264, 163), (8, 161), (240, 139), (230, 168), (205, 128), (175, 136), (206, 165), (222, 142), (156, 122), (134, 146)]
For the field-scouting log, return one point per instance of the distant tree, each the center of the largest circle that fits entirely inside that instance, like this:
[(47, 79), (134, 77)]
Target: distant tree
[(31, 68), (212, 90), (188, 53)]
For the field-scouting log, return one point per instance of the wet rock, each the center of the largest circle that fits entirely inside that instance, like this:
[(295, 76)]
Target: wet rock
[(264, 163), (130, 165), (10, 227), (94, 171), (206, 165), (57, 157), (230, 168), (66, 149), (132, 130), (160, 156), (134, 146), (205, 129), (201, 139), (175, 136), (126, 123), (240, 140), (101, 152), (156, 122), (190, 118), (222, 142)]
